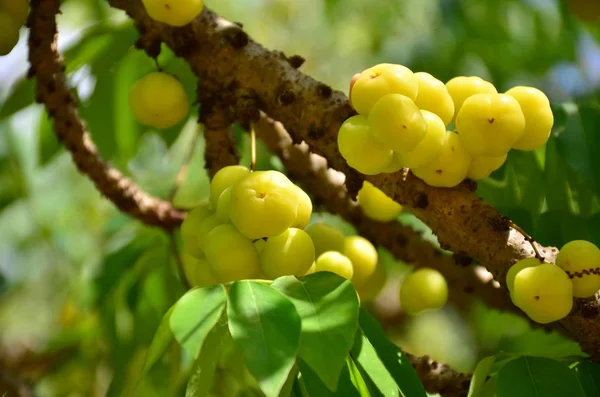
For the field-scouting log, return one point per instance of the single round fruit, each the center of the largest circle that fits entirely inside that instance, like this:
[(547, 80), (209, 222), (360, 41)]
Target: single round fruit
[(290, 253), (373, 286), (264, 204), (158, 100), (9, 35), (424, 290), (376, 205), (231, 255), (325, 237), (174, 12), (482, 167), (224, 205), (352, 82), (190, 226), (363, 256), (334, 262), (355, 141), (434, 96), (430, 146), (580, 259), (538, 117), (490, 124), (516, 268), (397, 123), (18, 10), (544, 293), (450, 167), (224, 178), (304, 209), (197, 271), (462, 87), (380, 80)]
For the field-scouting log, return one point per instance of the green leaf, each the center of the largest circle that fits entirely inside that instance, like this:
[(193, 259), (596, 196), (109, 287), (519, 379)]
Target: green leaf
[(195, 314), (588, 374), (22, 95), (266, 329), (555, 176), (357, 379), (392, 357), (367, 360), (160, 344), (489, 388), (480, 375), (315, 387), (537, 377), (328, 306)]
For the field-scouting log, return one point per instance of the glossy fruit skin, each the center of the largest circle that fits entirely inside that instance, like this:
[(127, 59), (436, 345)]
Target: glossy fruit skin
[(544, 293), (434, 96), (290, 253), (450, 167), (380, 80), (364, 258), (17, 10), (231, 255), (190, 226), (482, 167), (9, 35), (580, 259), (423, 290), (355, 139), (325, 237), (397, 123), (334, 262), (373, 286), (174, 12), (304, 209), (430, 146), (538, 117), (224, 205), (395, 166), (224, 178), (462, 87), (264, 204), (197, 271), (158, 100), (516, 268), (376, 205)]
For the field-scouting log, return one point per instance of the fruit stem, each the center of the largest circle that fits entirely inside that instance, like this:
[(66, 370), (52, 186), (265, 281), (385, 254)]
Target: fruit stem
[(252, 149), (529, 239)]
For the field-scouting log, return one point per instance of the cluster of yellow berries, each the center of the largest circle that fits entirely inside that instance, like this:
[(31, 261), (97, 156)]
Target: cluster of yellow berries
[(545, 291), (404, 121), (13, 15)]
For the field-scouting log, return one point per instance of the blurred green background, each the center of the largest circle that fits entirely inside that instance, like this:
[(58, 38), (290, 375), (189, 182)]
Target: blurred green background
[(83, 288)]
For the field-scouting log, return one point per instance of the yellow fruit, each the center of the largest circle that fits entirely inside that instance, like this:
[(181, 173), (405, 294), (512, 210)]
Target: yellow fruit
[(424, 290), (304, 209), (363, 256), (197, 271), (334, 262), (482, 167), (462, 87), (376, 204), (9, 34), (224, 178), (259, 245), (490, 124), (516, 268), (538, 117), (290, 253), (430, 146), (158, 100), (373, 286), (434, 96), (325, 237), (18, 10), (544, 293), (311, 269), (395, 165), (224, 205), (174, 12), (355, 141), (581, 261), (190, 227), (379, 80), (450, 167), (397, 123)]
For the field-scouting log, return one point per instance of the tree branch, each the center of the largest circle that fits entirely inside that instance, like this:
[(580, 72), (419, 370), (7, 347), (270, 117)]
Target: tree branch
[(440, 378), (220, 148)]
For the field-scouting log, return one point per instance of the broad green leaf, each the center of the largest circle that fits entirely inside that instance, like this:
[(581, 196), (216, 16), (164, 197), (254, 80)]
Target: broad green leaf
[(357, 379), (160, 343), (366, 359), (480, 375), (557, 228), (328, 306), (538, 342), (489, 388), (315, 387), (392, 357), (537, 377), (266, 329), (22, 95), (588, 374), (195, 314), (555, 177)]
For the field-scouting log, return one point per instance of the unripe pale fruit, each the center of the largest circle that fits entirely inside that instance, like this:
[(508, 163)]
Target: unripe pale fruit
[(544, 293), (490, 124), (264, 204), (334, 262), (18, 10), (538, 117), (395, 166), (9, 34), (462, 87), (325, 238), (290, 253), (224, 178), (174, 12), (424, 290), (259, 245), (581, 261), (304, 209), (158, 100), (224, 205), (363, 256), (190, 227), (204, 227), (197, 271), (231, 255), (434, 96), (516, 268), (430, 146), (355, 141), (376, 205), (381, 80), (450, 167), (482, 167), (373, 286), (397, 123)]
